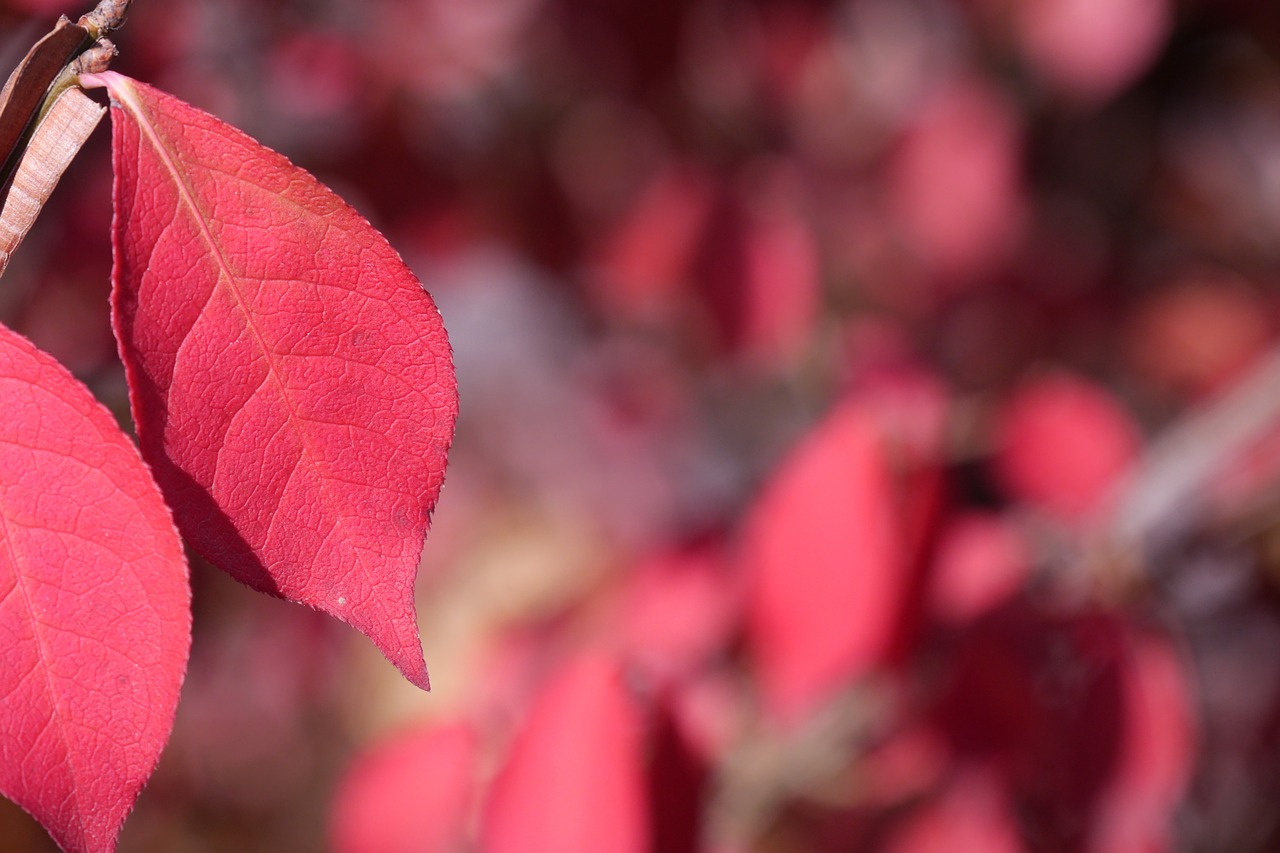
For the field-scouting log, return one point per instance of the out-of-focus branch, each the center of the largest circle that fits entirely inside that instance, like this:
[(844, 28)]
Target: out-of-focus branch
[(1165, 491), (756, 779)]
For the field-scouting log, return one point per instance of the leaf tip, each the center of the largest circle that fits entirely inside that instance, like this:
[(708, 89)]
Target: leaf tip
[(395, 634), (412, 665)]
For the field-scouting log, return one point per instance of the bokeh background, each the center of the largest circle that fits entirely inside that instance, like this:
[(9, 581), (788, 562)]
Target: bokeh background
[(870, 433)]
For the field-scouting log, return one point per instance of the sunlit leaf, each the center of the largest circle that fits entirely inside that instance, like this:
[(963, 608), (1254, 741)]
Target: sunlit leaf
[(289, 376), (95, 606), (573, 782), (823, 551), (409, 794), (1063, 444)]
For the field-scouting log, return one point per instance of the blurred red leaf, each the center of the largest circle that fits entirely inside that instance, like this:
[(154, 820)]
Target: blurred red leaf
[(824, 564), (1157, 750), (95, 606), (906, 765), (913, 406), (711, 712), (679, 610), (573, 781), (781, 289), (1040, 696), (981, 562), (745, 259), (290, 378), (315, 75), (1199, 335), (955, 187), (970, 817), (1086, 717), (409, 794), (643, 264), (447, 51), (1090, 49), (1063, 443)]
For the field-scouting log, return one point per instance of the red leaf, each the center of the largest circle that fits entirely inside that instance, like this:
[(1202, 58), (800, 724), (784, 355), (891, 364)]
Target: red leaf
[(906, 765), (290, 378), (1199, 335), (1090, 49), (573, 782), (825, 565), (782, 283), (1086, 716), (1064, 443), (982, 561), (971, 817), (410, 794), (1157, 749), (95, 606), (954, 184), (681, 609), (642, 267)]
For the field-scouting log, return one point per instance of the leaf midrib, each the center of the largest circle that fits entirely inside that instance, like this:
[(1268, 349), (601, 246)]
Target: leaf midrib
[(125, 95), (37, 631)]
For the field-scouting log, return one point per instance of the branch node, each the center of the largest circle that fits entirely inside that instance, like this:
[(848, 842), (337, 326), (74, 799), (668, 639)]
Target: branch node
[(106, 17)]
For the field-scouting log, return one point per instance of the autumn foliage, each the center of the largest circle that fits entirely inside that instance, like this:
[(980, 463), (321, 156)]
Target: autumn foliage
[(867, 431)]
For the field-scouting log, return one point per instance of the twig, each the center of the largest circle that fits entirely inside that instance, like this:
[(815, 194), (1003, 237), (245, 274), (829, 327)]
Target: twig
[(1166, 489)]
